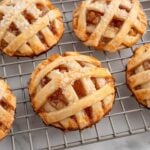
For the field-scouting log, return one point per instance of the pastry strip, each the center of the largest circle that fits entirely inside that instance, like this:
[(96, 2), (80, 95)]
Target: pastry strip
[(57, 63), (143, 94), (35, 28), (53, 85), (138, 60), (124, 30), (85, 102), (140, 78), (102, 26)]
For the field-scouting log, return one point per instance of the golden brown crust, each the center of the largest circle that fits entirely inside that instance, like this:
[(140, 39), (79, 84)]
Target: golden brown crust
[(72, 91), (7, 109), (138, 74), (29, 27), (109, 25)]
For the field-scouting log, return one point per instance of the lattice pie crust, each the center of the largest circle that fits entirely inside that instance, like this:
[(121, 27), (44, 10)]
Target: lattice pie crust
[(29, 27), (71, 91), (7, 109), (138, 74), (109, 24)]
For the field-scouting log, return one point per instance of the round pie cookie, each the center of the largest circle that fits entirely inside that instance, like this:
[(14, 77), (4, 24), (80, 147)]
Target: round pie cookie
[(71, 91), (7, 109), (29, 27), (109, 25), (138, 74)]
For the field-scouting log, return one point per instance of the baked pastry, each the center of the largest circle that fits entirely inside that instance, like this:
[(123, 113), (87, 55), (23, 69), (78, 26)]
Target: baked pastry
[(138, 74), (72, 91), (109, 24), (7, 109), (29, 27)]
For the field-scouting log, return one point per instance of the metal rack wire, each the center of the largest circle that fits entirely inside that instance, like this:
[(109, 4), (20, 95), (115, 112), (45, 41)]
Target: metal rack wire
[(29, 133)]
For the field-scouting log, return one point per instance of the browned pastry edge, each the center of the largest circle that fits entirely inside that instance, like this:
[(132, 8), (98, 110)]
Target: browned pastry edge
[(36, 55), (105, 110), (90, 126), (143, 104), (7, 130), (47, 48), (91, 123), (127, 75), (100, 47), (74, 129)]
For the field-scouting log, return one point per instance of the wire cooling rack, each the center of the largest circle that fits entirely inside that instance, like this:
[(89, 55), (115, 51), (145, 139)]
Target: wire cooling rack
[(29, 133)]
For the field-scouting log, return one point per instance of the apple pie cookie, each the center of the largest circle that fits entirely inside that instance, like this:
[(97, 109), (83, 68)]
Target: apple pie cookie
[(71, 91), (109, 25), (7, 109), (29, 27), (138, 74)]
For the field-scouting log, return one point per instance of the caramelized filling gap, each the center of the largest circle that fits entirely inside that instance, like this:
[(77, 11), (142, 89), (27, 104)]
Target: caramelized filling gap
[(116, 23), (62, 68), (1, 16), (88, 112), (44, 81), (133, 32), (105, 40), (138, 87), (58, 100), (42, 39), (124, 8), (42, 8), (6, 106), (81, 64), (93, 17), (79, 89), (13, 29), (29, 17), (53, 28), (95, 83), (3, 44)]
